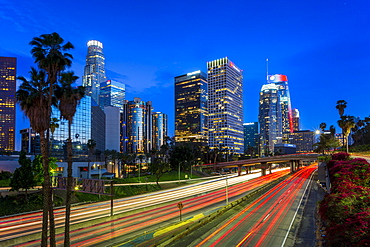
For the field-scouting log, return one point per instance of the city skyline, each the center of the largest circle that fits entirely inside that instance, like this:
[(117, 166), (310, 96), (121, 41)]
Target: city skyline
[(321, 47)]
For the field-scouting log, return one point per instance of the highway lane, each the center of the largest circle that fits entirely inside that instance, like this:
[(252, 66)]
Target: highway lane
[(265, 222), (23, 225)]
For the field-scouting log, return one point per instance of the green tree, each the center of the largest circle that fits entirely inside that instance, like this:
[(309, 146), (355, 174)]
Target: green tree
[(179, 155), (23, 177), (158, 167), (5, 175), (69, 98), (141, 157), (326, 144), (38, 169), (346, 123)]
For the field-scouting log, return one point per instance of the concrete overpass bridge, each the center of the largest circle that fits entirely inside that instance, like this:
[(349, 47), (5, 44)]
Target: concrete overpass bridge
[(265, 163)]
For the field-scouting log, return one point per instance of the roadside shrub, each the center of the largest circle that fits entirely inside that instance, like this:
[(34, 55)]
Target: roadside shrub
[(340, 156), (347, 208)]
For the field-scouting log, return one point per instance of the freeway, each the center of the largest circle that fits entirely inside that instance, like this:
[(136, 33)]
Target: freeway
[(132, 215), (265, 222)]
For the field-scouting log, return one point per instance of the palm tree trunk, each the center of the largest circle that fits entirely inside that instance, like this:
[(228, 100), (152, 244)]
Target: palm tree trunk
[(46, 188), (50, 197), (69, 187)]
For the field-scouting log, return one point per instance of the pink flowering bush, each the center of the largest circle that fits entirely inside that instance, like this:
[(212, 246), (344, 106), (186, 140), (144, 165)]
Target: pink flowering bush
[(347, 209), (340, 156)]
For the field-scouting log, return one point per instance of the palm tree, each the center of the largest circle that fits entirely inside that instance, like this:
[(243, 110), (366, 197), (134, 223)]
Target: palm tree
[(53, 125), (69, 98), (346, 123), (33, 97), (91, 144), (322, 127), (341, 105), (50, 55)]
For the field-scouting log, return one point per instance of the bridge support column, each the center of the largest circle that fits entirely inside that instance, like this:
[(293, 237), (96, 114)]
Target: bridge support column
[(246, 169), (299, 164), (292, 166), (264, 167), (239, 170), (270, 169)]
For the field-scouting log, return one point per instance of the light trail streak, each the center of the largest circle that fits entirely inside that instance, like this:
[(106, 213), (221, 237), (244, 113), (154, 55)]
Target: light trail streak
[(294, 181), (131, 223), (295, 214)]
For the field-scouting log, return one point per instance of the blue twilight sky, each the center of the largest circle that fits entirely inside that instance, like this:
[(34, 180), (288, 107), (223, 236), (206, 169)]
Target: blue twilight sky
[(322, 46)]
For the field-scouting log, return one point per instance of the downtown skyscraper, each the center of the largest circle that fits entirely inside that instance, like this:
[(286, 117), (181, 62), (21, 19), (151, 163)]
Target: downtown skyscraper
[(191, 93), (7, 102), (225, 106), (269, 119), (160, 128), (112, 93), (281, 81), (137, 126), (94, 72), (275, 113)]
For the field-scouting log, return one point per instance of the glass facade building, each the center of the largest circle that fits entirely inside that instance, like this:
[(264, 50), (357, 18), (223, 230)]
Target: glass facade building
[(112, 93), (281, 81), (251, 137), (88, 123), (269, 119), (303, 140), (137, 122), (8, 74), (225, 106), (94, 72), (191, 94), (296, 120), (30, 141), (159, 129)]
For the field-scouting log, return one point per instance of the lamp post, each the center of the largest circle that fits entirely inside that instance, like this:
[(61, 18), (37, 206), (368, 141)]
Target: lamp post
[(139, 170), (179, 167)]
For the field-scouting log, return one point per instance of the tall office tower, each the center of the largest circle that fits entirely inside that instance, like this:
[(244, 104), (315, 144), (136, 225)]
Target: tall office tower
[(160, 129), (137, 122), (8, 75), (30, 141), (94, 73), (88, 123), (112, 93), (191, 108), (269, 118), (225, 106), (296, 119), (112, 128), (251, 137), (281, 81)]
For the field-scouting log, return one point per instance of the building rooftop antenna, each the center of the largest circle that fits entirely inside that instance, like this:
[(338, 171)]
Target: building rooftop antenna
[(267, 70)]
